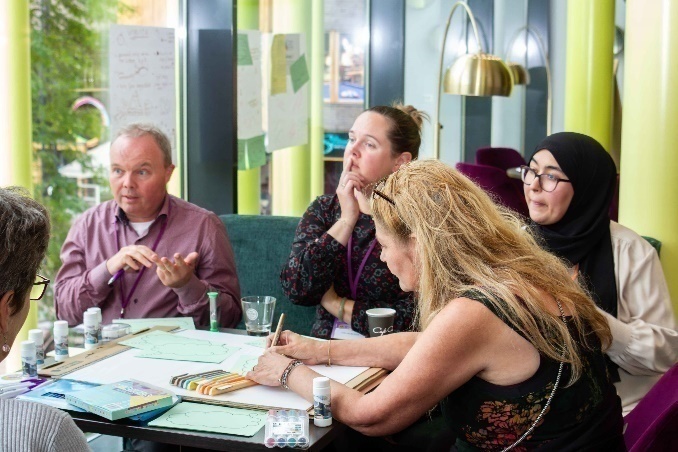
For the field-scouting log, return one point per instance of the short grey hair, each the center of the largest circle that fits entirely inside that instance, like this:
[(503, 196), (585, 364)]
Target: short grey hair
[(137, 130), (24, 236)]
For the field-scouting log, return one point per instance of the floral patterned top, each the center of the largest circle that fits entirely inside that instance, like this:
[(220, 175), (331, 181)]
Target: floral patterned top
[(317, 261), (583, 416)]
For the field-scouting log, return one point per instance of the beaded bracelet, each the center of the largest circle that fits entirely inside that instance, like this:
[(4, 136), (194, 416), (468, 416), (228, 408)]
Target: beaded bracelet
[(286, 372)]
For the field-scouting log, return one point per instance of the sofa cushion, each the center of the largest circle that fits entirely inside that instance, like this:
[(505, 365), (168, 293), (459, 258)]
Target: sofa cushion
[(262, 245)]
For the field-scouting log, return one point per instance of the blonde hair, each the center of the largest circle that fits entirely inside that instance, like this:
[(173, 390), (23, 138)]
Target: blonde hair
[(466, 242)]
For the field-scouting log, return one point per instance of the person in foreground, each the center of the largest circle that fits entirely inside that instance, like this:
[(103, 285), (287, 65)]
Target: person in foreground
[(25, 226), (569, 186), (509, 344), (146, 253), (334, 263)]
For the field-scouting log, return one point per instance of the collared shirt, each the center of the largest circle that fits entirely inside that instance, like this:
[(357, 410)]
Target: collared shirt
[(82, 281)]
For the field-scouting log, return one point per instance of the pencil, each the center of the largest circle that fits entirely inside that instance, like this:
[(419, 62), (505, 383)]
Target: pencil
[(278, 330)]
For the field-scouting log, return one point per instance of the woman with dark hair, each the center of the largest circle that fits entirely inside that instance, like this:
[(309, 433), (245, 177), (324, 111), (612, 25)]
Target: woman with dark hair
[(24, 234), (334, 263), (569, 186)]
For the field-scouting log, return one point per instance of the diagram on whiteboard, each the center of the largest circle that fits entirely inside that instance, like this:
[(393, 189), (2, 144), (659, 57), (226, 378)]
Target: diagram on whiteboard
[(161, 345)]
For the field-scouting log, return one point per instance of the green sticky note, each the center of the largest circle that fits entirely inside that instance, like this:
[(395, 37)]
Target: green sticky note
[(210, 418), (278, 66), (299, 73), (243, 51), (251, 153)]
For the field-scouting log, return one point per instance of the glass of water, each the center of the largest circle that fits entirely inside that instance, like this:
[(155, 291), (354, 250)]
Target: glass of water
[(257, 312)]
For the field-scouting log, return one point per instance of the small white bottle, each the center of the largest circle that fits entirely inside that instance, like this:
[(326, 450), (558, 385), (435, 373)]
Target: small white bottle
[(90, 322), (36, 336), (60, 340), (99, 320), (322, 402), (29, 366)]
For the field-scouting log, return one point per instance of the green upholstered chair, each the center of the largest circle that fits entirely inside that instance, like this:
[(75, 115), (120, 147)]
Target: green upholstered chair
[(261, 245), (655, 243)]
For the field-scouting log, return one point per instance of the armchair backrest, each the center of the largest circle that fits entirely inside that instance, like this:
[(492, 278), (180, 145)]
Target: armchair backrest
[(262, 245), (497, 184), (651, 425)]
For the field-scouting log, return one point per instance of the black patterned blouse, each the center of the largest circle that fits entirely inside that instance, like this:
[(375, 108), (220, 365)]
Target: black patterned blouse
[(317, 261), (583, 416)]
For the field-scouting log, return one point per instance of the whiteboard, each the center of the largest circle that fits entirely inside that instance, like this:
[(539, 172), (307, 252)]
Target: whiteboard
[(142, 78)]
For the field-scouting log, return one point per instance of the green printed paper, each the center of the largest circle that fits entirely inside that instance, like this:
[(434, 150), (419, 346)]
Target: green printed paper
[(278, 66), (185, 323), (244, 364), (243, 51), (251, 153), (299, 73), (161, 345), (211, 418)]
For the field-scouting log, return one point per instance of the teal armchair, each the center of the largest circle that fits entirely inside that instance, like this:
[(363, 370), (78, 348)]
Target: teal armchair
[(261, 245)]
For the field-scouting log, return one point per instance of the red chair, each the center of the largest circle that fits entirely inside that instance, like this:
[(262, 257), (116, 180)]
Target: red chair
[(652, 424), (497, 184), (502, 158)]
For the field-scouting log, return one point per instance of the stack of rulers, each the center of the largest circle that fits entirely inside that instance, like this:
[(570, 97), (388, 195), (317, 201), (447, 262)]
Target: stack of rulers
[(213, 382)]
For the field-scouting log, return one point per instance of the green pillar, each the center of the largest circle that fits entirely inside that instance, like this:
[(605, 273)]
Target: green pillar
[(588, 76), (649, 162), (15, 60), (290, 181), (317, 69), (249, 181)]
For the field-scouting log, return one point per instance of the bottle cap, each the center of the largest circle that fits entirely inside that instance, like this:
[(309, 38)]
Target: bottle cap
[(60, 327), (27, 348), (90, 318), (321, 383), (212, 294), (97, 310), (36, 336)]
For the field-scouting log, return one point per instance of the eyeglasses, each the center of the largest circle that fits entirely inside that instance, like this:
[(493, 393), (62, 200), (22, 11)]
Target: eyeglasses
[(39, 287), (548, 183), (376, 192)]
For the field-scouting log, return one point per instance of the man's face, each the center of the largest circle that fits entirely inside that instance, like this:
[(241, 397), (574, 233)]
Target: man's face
[(138, 177)]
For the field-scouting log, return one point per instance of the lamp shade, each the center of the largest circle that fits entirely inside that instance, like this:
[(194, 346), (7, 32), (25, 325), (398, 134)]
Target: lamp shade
[(519, 73), (478, 74)]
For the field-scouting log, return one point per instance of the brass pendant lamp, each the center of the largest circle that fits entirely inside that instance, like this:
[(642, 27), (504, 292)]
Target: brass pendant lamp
[(478, 74)]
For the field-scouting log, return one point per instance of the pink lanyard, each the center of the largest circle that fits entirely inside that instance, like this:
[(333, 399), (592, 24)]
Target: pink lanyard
[(353, 282), (125, 300)]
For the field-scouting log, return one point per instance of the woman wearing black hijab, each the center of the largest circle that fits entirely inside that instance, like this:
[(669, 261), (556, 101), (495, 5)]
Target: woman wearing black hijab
[(569, 186)]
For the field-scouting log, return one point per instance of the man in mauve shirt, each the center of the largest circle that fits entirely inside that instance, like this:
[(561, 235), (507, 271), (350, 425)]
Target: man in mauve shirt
[(146, 254)]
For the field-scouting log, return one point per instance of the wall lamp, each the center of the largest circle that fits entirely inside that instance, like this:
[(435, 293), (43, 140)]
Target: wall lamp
[(520, 74), (478, 74)]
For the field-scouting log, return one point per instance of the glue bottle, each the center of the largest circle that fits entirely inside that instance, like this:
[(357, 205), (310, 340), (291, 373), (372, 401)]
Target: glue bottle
[(99, 320), (90, 321), (37, 338), (321, 402), (214, 321), (60, 340), (29, 366)]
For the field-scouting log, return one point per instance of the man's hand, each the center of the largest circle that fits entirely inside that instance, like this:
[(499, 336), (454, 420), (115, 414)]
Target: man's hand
[(134, 256), (178, 274)]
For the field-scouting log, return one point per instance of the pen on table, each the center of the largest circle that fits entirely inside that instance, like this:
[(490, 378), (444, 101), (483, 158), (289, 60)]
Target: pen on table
[(278, 330), (118, 274)]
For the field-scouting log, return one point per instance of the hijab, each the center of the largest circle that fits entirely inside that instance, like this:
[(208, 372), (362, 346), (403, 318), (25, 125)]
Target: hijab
[(582, 236)]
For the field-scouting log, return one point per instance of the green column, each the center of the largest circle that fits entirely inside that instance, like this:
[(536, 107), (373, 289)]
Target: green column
[(290, 181), (317, 68), (588, 77), (16, 61), (649, 160), (249, 181)]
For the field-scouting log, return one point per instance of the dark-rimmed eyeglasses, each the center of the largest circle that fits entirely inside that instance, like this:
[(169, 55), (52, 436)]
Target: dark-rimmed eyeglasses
[(39, 287), (547, 182)]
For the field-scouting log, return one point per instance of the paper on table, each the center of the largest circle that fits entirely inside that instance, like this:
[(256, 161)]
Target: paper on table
[(137, 325), (158, 373), (244, 364), (210, 418), (161, 345)]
